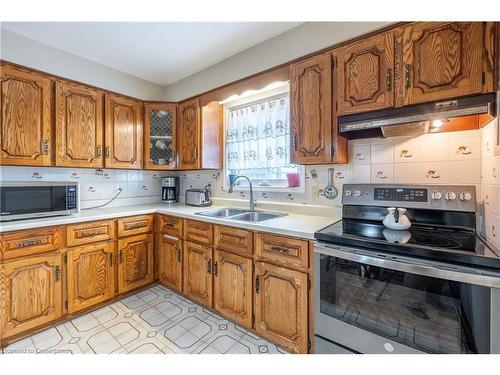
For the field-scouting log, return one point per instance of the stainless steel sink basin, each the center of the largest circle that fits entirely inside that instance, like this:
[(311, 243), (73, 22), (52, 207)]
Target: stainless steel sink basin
[(240, 214), (256, 216), (222, 212)]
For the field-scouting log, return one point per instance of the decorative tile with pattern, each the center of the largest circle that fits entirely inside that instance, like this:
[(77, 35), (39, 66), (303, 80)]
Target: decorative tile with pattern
[(156, 320)]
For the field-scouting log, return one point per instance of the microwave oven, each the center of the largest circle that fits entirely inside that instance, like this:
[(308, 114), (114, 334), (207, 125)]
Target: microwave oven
[(29, 200)]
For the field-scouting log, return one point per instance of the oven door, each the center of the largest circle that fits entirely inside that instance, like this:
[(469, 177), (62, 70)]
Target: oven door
[(379, 303), (32, 200)]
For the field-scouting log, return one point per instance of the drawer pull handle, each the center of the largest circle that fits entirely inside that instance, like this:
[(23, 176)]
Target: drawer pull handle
[(173, 238), (136, 225), (209, 267), (257, 284), (90, 233), (408, 69), (28, 243), (169, 225), (216, 269), (58, 272), (111, 259), (279, 249)]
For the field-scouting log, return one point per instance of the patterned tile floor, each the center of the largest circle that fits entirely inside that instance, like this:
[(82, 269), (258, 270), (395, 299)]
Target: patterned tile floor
[(156, 320)]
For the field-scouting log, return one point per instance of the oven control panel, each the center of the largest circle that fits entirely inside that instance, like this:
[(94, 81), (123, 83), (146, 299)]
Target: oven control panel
[(439, 197)]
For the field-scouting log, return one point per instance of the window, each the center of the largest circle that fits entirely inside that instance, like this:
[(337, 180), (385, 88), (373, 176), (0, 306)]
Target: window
[(257, 139)]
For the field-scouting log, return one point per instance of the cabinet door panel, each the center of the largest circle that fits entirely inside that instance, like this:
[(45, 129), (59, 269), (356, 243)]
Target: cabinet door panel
[(365, 75), (311, 95), (197, 273), (160, 132), (233, 287), (189, 135), (169, 261), (123, 123), (91, 275), (281, 310), (135, 262), (442, 60), (26, 118), (79, 126), (30, 293)]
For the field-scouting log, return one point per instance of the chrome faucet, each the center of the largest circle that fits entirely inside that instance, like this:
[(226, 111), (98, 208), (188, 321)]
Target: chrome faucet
[(253, 202)]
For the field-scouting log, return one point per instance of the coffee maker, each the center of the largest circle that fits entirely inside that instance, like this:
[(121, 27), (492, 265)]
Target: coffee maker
[(169, 190)]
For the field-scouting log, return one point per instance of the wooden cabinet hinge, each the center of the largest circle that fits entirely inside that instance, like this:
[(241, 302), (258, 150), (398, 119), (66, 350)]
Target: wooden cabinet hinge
[(65, 304), (483, 78), (308, 284), (253, 319), (334, 63), (309, 345), (66, 258)]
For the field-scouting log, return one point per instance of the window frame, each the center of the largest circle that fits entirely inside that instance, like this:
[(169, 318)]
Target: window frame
[(243, 185)]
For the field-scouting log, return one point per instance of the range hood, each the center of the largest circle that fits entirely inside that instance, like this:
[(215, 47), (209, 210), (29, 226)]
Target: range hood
[(415, 119)]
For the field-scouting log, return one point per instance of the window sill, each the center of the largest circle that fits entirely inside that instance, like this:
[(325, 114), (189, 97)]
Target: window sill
[(269, 189)]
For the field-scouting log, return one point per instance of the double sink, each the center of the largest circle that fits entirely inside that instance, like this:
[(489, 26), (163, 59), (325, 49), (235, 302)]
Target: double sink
[(239, 214)]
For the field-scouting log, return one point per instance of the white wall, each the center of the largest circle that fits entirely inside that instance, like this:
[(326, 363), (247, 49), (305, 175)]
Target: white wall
[(299, 41), (28, 52)]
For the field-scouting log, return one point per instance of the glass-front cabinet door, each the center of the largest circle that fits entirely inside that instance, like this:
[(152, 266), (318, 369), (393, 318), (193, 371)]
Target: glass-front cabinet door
[(160, 136)]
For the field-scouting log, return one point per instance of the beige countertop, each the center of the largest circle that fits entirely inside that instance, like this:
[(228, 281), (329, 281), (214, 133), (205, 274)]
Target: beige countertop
[(292, 224)]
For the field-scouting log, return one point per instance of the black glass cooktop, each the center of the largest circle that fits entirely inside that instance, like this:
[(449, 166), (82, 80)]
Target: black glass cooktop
[(451, 245)]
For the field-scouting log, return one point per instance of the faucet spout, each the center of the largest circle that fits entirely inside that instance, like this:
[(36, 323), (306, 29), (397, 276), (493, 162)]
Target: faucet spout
[(252, 202)]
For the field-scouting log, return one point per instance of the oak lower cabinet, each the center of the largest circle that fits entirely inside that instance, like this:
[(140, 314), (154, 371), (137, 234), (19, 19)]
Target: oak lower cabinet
[(233, 287), (169, 261), (197, 272), (26, 117), (281, 306), (135, 262), (90, 275), (30, 293)]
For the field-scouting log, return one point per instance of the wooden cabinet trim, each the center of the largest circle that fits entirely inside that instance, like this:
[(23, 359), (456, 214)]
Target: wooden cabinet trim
[(135, 225), (96, 231), (235, 240), (29, 242)]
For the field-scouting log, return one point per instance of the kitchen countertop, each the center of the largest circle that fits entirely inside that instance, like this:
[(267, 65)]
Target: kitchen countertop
[(291, 225)]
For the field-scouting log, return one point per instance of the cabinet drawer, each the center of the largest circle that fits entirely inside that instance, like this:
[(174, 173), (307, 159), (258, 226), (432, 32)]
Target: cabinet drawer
[(135, 225), (288, 251), (170, 225), (198, 231), (234, 240), (95, 231), (31, 241)]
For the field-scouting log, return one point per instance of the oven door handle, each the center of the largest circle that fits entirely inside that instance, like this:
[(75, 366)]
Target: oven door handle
[(416, 266)]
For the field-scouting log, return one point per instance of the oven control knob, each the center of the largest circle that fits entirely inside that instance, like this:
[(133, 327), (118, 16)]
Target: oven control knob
[(465, 196), (436, 195), (450, 196), (347, 193), (356, 193)]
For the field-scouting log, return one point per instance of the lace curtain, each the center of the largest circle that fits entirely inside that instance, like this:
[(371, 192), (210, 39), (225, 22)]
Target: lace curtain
[(258, 139)]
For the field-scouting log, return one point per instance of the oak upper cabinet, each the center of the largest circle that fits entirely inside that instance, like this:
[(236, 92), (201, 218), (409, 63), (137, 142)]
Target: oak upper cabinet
[(79, 126), (189, 134), (365, 75), (91, 275), (197, 273), (233, 287), (169, 261), (200, 135), (311, 102), (442, 60), (30, 293), (281, 308), (160, 136), (26, 117), (123, 132), (135, 262)]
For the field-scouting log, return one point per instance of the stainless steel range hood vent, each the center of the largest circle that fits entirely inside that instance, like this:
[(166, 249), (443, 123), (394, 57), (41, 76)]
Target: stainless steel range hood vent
[(413, 120)]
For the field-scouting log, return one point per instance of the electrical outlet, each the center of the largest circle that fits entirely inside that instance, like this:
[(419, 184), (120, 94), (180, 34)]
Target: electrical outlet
[(315, 191)]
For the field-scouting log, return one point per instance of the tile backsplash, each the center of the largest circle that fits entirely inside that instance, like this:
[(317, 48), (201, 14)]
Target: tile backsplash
[(96, 185), (444, 158), (490, 185)]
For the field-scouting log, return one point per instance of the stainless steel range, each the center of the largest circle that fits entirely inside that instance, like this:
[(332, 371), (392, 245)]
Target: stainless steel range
[(431, 288)]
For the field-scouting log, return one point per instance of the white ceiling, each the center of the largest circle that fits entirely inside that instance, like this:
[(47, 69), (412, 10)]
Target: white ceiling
[(160, 52)]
